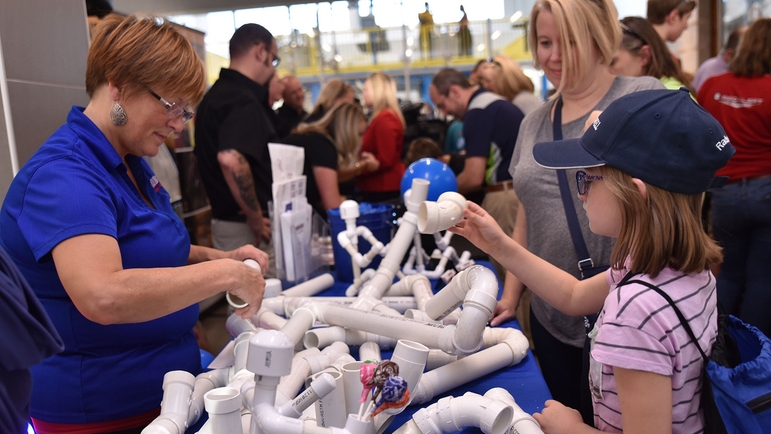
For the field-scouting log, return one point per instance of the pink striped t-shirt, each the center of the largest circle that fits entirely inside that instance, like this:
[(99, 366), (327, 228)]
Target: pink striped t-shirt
[(637, 329)]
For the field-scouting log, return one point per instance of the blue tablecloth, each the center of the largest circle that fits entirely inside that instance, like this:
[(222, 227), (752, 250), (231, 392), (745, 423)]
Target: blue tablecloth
[(524, 380)]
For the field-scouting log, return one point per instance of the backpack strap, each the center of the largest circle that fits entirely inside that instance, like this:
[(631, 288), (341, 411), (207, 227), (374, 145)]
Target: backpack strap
[(679, 314)]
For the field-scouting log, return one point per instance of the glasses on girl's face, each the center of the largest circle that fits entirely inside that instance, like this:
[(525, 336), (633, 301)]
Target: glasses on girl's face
[(173, 110), (583, 180)]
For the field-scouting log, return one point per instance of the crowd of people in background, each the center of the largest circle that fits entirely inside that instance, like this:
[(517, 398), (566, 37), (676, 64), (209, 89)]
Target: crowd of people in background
[(117, 219)]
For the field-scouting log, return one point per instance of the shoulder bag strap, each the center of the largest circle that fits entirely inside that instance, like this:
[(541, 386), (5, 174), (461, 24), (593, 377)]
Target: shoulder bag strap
[(584, 260), (679, 314)]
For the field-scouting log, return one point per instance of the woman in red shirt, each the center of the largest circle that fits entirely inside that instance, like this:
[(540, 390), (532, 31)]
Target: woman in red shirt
[(384, 139)]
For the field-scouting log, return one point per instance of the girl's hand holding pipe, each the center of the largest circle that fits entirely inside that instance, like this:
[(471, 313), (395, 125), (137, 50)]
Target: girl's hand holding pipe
[(480, 228), (557, 419), (505, 310)]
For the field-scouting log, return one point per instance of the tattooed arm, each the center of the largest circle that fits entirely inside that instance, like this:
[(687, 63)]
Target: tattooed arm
[(238, 175)]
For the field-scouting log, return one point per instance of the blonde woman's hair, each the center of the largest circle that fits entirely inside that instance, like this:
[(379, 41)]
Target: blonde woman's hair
[(332, 91), (139, 53), (662, 231), (341, 125), (508, 77), (585, 25), (383, 93)]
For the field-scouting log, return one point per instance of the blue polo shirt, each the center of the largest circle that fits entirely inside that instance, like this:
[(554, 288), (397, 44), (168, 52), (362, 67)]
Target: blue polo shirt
[(490, 129), (75, 184)]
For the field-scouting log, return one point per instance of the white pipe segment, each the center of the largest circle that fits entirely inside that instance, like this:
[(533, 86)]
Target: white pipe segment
[(443, 242), (301, 321), (370, 351), (235, 325), (471, 280), (521, 422), (287, 305), (446, 212), (367, 274), (310, 287), (416, 285), (204, 382), (469, 368), (431, 335), (224, 407), (452, 414), (399, 244), (411, 358), (240, 351), (266, 319), (320, 387), (321, 337), (290, 384), (352, 386), (175, 405), (333, 354), (437, 358), (330, 410)]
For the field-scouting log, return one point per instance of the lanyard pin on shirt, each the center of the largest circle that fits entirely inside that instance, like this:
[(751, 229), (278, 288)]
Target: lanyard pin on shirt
[(234, 300)]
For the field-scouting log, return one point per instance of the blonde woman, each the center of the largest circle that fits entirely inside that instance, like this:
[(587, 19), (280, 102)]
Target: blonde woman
[(384, 139), (333, 93), (503, 76), (573, 41), (330, 143)]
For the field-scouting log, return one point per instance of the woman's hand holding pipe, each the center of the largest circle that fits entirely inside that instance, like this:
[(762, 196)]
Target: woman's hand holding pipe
[(248, 251), (249, 287)]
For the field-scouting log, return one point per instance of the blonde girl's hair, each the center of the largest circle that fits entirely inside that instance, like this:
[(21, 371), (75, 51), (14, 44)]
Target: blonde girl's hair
[(332, 91), (662, 231), (585, 25), (341, 126), (383, 93), (139, 53), (509, 78)]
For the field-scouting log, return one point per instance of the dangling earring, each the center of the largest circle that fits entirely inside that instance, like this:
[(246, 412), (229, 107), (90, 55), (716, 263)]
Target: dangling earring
[(118, 115)]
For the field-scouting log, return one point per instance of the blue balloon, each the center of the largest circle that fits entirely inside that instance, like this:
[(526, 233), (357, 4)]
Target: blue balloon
[(440, 176)]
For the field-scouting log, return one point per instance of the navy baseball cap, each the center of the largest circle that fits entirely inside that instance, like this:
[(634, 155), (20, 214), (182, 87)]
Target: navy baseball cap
[(662, 137)]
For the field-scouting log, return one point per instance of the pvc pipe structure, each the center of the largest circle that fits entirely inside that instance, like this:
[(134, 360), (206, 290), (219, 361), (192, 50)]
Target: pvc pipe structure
[(452, 414), (521, 422), (399, 245), (353, 289), (175, 406), (321, 337), (353, 249), (266, 319), (411, 358), (507, 353), (224, 408), (291, 383), (286, 305), (446, 212), (331, 410), (310, 287)]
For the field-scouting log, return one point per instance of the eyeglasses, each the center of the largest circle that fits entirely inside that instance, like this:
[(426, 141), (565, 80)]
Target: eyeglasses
[(173, 110), (276, 60), (583, 180)]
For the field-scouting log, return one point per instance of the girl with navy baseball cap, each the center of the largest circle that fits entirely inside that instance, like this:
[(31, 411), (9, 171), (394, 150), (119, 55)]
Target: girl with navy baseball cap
[(646, 160)]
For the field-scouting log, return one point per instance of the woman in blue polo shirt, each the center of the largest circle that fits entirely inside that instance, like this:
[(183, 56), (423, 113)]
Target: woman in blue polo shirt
[(91, 228)]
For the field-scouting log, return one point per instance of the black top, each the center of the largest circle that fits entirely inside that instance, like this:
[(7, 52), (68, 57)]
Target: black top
[(234, 115), (319, 152), (287, 119)]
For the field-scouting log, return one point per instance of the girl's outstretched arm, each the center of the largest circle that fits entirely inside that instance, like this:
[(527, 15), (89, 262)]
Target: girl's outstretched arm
[(560, 289)]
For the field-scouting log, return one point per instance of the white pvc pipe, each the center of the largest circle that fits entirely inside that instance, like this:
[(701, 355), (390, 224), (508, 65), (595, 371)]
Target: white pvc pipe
[(352, 386), (446, 212), (224, 408), (204, 382), (291, 383), (367, 274), (175, 405), (321, 337), (240, 350), (437, 358), (521, 421), (287, 305), (236, 325), (334, 354), (320, 387), (331, 409), (411, 358), (452, 414), (311, 287), (369, 351), (469, 368), (301, 321), (266, 319)]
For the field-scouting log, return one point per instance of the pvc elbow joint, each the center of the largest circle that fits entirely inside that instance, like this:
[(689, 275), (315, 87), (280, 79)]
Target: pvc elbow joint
[(437, 216)]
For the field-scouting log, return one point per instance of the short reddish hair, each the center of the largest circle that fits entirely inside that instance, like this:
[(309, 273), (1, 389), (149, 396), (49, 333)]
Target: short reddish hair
[(137, 53)]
